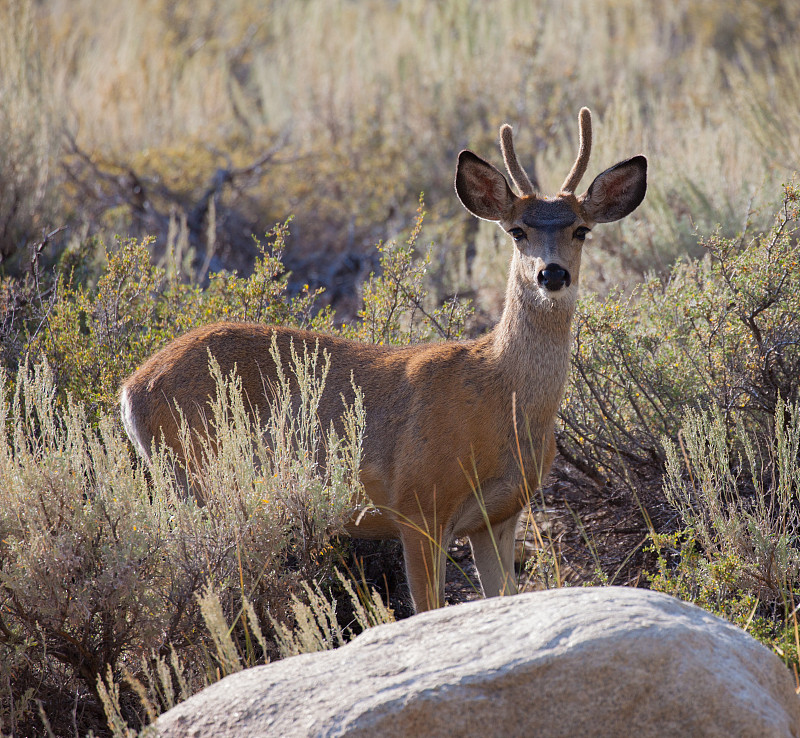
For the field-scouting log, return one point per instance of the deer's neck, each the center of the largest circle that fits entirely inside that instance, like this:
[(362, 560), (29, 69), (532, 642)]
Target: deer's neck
[(531, 344)]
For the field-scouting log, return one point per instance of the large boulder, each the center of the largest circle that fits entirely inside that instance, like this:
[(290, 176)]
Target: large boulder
[(607, 661)]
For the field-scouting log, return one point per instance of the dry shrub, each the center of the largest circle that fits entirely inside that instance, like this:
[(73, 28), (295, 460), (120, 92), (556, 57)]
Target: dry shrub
[(100, 568), (736, 552)]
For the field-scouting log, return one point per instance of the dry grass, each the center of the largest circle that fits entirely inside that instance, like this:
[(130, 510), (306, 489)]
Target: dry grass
[(374, 100)]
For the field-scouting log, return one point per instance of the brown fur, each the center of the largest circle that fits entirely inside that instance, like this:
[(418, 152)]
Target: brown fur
[(439, 417)]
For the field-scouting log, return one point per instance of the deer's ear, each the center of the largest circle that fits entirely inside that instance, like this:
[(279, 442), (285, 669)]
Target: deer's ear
[(617, 192), (482, 189)]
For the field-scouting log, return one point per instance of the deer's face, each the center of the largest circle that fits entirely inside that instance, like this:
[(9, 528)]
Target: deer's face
[(548, 234)]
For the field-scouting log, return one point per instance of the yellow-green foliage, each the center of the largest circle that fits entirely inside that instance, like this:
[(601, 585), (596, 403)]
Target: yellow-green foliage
[(715, 583), (96, 334), (108, 309), (395, 305)]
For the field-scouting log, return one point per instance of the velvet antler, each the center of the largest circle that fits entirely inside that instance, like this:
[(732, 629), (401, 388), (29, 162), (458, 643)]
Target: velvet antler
[(515, 170), (585, 149)]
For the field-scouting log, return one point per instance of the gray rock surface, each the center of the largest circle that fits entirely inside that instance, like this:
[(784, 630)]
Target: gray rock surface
[(610, 661)]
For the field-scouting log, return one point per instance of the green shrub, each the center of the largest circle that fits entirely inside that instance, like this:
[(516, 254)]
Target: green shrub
[(715, 582), (686, 394), (98, 324), (396, 308), (104, 311), (720, 332), (737, 493)]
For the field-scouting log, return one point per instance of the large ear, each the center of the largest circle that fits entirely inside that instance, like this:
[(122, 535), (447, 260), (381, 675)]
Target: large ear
[(481, 188), (617, 192)]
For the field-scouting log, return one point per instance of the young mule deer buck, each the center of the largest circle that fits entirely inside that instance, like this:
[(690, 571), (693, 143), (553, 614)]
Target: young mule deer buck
[(446, 420)]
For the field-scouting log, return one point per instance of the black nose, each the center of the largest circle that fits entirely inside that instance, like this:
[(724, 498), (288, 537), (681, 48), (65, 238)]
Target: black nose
[(553, 277)]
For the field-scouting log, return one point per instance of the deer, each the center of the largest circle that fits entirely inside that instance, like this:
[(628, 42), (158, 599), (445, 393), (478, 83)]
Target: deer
[(457, 432)]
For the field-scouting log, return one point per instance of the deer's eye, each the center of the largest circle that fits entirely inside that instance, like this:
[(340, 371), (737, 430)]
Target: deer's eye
[(517, 234), (580, 233)]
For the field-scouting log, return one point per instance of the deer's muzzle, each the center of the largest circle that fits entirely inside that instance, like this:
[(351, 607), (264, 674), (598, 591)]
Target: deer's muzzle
[(554, 277)]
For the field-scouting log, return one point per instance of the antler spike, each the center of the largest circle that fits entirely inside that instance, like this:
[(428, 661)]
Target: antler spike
[(585, 149), (515, 170)]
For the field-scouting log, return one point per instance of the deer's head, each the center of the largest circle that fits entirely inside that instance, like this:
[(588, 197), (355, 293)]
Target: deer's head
[(549, 231)]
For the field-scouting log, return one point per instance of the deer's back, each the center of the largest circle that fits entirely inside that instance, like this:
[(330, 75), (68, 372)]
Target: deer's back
[(434, 412)]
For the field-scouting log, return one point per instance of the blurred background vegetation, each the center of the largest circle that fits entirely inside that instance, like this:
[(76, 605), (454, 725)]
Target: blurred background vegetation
[(146, 149), (130, 119)]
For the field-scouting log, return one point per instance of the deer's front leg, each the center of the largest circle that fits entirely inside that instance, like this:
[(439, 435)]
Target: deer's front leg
[(493, 552), (425, 554)]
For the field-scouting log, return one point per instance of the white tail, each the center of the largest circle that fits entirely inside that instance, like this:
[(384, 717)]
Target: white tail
[(439, 417)]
